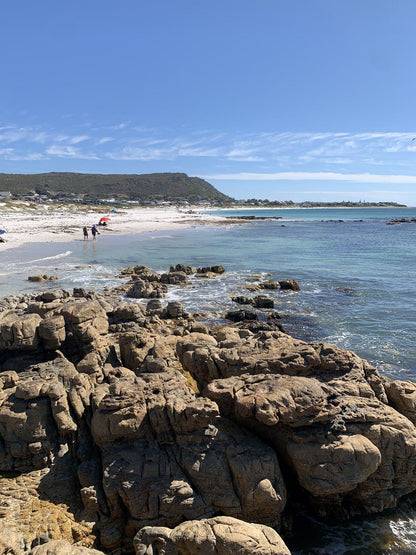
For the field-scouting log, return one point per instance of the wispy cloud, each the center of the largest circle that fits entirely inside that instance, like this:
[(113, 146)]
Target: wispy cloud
[(104, 140), (66, 151), (284, 153), (78, 139)]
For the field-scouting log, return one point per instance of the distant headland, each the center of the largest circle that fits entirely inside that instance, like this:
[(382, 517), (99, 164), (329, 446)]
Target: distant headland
[(322, 204), (143, 189)]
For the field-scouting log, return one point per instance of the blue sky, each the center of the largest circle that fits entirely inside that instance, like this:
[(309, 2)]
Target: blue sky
[(278, 99)]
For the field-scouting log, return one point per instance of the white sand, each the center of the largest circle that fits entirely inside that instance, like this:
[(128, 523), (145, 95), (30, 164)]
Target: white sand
[(51, 224)]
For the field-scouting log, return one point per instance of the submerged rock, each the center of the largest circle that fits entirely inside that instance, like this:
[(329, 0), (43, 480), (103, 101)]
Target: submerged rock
[(289, 284)]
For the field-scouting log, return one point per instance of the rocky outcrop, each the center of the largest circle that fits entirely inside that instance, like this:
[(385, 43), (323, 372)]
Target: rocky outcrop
[(168, 455), (220, 535), (323, 409), (118, 419), (144, 447)]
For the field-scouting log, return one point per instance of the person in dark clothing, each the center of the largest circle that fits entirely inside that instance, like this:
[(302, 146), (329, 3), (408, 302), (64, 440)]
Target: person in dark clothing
[(94, 232), (85, 232)]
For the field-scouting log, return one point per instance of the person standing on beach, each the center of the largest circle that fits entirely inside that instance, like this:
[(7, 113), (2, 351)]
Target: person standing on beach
[(94, 232), (85, 232)]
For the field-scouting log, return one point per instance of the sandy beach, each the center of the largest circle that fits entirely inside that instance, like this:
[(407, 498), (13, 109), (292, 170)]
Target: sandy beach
[(51, 224)]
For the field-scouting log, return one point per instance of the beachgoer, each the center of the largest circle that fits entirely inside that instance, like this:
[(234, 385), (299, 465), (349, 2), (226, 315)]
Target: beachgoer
[(94, 232), (85, 232)]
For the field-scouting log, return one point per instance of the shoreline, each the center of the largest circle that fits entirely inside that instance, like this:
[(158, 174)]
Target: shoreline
[(63, 224), (53, 224)]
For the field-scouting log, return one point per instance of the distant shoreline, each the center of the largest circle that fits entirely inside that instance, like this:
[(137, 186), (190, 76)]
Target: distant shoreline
[(297, 207)]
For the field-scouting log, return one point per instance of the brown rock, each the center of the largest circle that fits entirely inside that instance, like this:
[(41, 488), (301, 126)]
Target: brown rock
[(289, 284), (62, 547), (37, 278), (19, 331), (241, 352), (11, 543), (86, 320), (211, 270), (126, 312), (174, 278), (36, 414), (134, 348), (268, 284), (220, 535), (52, 331), (161, 446), (402, 396), (342, 447)]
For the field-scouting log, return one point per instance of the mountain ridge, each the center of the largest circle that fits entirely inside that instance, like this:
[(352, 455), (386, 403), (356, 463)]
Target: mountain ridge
[(164, 186)]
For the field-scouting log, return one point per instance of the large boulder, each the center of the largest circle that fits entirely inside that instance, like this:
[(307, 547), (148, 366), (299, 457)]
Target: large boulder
[(135, 347), (140, 272), (182, 268), (289, 284), (175, 309), (52, 331), (263, 301), (324, 410), (174, 278), (39, 409), (239, 351), (19, 331), (86, 321), (221, 535), (141, 289), (168, 455), (241, 315), (353, 454), (126, 312)]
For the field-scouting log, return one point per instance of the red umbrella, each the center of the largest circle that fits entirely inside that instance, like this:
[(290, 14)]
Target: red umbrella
[(105, 220)]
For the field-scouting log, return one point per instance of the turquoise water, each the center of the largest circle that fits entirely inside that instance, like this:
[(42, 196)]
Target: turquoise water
[(358, 290)]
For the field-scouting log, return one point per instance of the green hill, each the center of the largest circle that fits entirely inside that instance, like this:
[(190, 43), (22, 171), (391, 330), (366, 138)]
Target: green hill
[(152, 186)]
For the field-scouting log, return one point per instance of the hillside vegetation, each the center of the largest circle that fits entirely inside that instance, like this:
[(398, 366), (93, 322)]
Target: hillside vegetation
[(164, 186)]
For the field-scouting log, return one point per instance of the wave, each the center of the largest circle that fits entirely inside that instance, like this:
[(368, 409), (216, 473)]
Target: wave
[(61, 255)]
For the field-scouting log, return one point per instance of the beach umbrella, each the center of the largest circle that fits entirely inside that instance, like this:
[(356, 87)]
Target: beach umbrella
[(105, 220)]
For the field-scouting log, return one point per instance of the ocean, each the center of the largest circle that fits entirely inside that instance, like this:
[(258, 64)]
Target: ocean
[(357, 278)]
